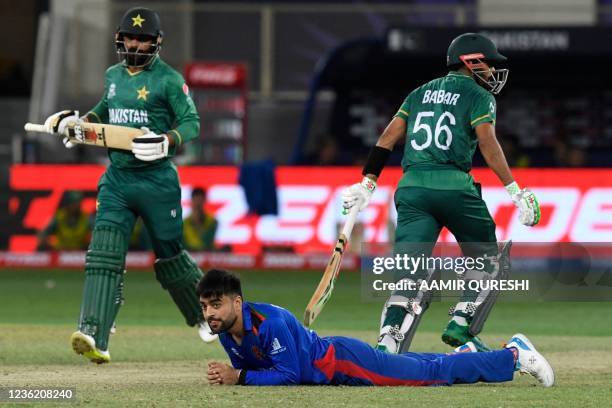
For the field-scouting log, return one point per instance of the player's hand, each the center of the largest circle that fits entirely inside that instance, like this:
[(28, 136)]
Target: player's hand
[(150, 146), (57, 123), (527, 204), (222, 374), (358, 194)]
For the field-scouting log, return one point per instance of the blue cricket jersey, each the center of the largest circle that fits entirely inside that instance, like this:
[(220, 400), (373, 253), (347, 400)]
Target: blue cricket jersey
[(278, 350)]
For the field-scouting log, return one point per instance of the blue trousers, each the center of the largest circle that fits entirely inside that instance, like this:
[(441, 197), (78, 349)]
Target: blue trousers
[(353, 362)]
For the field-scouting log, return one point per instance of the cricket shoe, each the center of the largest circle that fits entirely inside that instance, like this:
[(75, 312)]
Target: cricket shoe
[(531, 362), (456, 335), (205, 333), (390, 339), (85, 345)]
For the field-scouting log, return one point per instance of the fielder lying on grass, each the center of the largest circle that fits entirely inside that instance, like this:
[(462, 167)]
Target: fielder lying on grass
[(267, 345)]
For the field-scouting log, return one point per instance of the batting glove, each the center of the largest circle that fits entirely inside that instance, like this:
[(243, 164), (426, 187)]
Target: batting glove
[(358, 194), (150, 146), (58, 122), (526, 202)]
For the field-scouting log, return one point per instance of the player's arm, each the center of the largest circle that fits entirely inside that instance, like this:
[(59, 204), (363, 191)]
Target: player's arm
[(279, 347), (493, 153), (360, 193), (187, 119), (523, 199)]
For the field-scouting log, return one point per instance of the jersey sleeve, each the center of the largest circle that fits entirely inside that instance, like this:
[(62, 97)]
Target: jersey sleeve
[(404, 110), (236, 362), (99, 113), (484, 109), (279, 346), (187, 120)]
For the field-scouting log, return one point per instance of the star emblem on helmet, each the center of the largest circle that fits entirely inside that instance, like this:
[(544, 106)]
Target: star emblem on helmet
[(137, 21), (142, 93)]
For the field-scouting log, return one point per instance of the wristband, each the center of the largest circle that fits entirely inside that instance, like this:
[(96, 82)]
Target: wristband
[(513, 188), (376, 161), (368, 184), (242, 377)]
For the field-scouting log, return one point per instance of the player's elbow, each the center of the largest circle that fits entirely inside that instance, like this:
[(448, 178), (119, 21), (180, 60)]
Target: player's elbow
[(291, 379)]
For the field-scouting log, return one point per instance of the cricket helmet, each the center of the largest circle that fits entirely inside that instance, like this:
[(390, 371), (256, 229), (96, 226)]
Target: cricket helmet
[(477, 52), (144, 24)]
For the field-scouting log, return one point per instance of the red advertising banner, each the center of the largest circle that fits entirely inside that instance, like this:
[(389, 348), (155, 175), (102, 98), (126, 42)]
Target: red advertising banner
[(576, 205)]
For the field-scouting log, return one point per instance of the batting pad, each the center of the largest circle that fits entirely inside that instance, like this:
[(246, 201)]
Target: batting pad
[(104, 265), (179, 276)]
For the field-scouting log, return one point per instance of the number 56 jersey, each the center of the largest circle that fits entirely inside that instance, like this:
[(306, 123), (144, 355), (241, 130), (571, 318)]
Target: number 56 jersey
[(441, 117)]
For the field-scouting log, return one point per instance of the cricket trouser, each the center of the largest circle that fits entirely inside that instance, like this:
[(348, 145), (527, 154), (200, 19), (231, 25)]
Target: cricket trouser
[(423, 212), (153, 194), (350, 361)]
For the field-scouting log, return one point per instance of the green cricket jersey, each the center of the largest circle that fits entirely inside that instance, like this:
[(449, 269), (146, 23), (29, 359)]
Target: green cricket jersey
[(441, 117), (156, 98)]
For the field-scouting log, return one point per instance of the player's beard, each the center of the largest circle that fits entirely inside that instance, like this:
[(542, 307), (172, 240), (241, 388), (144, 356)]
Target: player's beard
[(224, 325), (133, 58)]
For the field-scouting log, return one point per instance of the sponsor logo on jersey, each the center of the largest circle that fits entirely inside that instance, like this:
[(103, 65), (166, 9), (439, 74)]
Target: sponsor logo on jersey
[(276, 347), (119, 116), (441, 96), (112, 91)]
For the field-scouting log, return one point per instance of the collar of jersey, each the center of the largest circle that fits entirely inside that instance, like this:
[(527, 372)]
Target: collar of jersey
[(458, 74), (246, 317)]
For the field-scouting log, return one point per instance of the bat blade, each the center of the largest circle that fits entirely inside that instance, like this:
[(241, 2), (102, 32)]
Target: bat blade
[(96, 134), (326, 286)]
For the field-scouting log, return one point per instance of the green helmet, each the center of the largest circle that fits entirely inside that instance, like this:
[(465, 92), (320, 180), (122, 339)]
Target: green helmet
[(476, 52), (472, 43)]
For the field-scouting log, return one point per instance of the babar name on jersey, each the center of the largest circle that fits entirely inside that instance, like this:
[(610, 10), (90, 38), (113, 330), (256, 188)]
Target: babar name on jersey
[(440, 96), (119, 116)]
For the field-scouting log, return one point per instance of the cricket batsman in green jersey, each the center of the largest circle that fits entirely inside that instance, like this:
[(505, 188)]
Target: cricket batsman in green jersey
[(442, 122), (141, 91)]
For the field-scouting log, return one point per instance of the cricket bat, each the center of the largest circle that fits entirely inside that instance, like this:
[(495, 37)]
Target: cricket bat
[(326, 286), (95, 134)]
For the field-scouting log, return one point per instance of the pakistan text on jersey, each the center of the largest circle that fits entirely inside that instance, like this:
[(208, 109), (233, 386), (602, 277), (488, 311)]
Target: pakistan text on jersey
[(441, 96), (118, 116)]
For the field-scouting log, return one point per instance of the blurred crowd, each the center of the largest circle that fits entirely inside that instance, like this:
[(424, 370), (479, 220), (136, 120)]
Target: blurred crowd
[(564, 153), (70, 228)]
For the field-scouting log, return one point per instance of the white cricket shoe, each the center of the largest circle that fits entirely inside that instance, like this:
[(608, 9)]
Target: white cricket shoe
[(389, 340), (205, 333), (530, 361), (85, 345)]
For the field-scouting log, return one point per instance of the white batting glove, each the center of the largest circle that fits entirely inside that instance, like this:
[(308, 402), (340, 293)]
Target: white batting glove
[(526, 202), (358, 194), (58, 122), (150, 146)]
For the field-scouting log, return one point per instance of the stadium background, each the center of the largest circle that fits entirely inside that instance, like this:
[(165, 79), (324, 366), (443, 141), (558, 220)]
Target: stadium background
[(307, 86)]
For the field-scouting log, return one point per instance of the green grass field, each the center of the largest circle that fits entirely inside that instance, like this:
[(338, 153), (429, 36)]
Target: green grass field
[(158, 361)]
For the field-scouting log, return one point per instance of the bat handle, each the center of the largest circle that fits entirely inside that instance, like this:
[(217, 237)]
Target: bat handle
[(350, 221), (33, 127)]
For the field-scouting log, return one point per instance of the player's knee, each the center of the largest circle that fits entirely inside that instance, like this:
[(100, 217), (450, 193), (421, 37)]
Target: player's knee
[(178, 271), (167, 249), (106, 250)]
